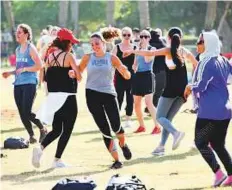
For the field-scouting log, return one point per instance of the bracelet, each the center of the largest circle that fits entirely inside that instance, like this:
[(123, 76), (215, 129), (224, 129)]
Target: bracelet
[(24, 69)]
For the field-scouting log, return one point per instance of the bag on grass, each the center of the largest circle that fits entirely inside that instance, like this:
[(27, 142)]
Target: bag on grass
[(71, 184), (16, 143), (118, 182)]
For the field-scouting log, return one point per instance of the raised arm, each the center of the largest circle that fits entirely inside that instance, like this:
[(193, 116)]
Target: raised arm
[(156, 52), (122, 69)]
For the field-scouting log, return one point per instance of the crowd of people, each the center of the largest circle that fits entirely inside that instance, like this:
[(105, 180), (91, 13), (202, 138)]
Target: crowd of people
[(141, 64)]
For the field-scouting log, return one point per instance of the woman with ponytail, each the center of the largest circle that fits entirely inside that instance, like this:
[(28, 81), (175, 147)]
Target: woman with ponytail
[(173, 96), (28, 63)]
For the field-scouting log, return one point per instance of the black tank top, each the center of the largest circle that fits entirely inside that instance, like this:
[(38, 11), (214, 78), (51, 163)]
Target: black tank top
[(127, 61), (176, 81), (58, 79)]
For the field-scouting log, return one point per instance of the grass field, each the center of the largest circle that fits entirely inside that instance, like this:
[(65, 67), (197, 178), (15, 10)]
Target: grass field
[(183, 169)]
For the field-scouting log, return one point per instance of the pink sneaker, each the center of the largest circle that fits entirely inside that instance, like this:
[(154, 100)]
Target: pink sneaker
[(219, 178), (228, 181)]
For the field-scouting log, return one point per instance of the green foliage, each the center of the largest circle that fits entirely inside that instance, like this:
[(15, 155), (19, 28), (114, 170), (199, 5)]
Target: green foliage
[(38, 14), (127, 14), (92, 14)]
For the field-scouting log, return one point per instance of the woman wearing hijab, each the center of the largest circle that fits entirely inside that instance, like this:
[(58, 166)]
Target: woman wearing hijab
[(215, 110)]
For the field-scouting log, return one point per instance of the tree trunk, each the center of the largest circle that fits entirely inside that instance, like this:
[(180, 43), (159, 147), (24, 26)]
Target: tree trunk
[(75, 15), (211, 14), (10, 18), (226, 33), (227, 8), (63, 13), (144, 14), (110, 13)]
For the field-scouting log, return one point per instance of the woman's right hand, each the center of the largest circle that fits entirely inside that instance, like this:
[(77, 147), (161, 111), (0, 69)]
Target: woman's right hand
[(6, 74)]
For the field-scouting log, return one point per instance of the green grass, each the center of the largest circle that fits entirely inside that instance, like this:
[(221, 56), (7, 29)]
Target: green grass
[(183, 169)]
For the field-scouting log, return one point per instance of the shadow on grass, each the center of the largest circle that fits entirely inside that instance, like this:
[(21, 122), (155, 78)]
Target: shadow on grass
[(56, 177), (198, 188), (128, 135), (19, 129), (23, 176), (86, 133), (13, 130), (156, 159)]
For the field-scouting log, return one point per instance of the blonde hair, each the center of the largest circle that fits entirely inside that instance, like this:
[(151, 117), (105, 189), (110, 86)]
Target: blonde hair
[(128, 29)]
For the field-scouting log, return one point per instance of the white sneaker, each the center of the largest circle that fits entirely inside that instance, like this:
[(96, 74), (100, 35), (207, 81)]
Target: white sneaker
[(159, 151), (177, 138), (59, 164), (36, 156), (127, 124)]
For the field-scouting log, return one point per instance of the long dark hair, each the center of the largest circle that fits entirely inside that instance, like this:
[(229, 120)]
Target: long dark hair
[(175, 35), (63, 45)]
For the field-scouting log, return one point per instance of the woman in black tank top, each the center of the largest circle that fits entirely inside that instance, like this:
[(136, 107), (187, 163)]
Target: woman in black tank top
[(123, 86), (62, 89), (173, 96)]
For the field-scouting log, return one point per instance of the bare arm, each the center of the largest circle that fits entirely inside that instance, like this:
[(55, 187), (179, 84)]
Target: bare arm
[(159, 52), (84, 62), (35, 57), (149, 58), (122, 69), (74, 66)]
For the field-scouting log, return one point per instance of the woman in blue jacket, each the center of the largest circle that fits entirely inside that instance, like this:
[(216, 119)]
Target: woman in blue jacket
[(215, 110)]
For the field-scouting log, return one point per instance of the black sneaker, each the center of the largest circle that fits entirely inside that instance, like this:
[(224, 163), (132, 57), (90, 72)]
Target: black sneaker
[(116, 165), (126, 152), (43, 133), (32, 140)]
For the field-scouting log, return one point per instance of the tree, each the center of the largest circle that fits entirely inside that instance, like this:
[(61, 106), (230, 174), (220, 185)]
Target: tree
[(110, 13), (75, 15), (10, 18), (63, 13), (224, 30), (144, 16), (211, 13)]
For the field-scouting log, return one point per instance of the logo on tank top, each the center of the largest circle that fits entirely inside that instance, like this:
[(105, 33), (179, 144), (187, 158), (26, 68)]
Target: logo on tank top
[(99, 62), (21, 59)]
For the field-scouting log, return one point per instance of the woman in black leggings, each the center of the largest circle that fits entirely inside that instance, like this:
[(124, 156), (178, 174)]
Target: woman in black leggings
[(101, 95), (122, 85), (61, 106)]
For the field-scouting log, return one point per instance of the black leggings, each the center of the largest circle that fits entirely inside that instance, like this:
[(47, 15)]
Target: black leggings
[(62, 125), (100, 105), (24, 96), (213, 132), (123, 86)]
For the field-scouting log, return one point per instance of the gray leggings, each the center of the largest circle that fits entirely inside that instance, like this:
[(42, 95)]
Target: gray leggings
[(166, 110)]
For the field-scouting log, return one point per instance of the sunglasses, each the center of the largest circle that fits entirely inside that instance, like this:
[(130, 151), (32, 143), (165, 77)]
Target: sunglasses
[(146, 37), (126, 35)]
